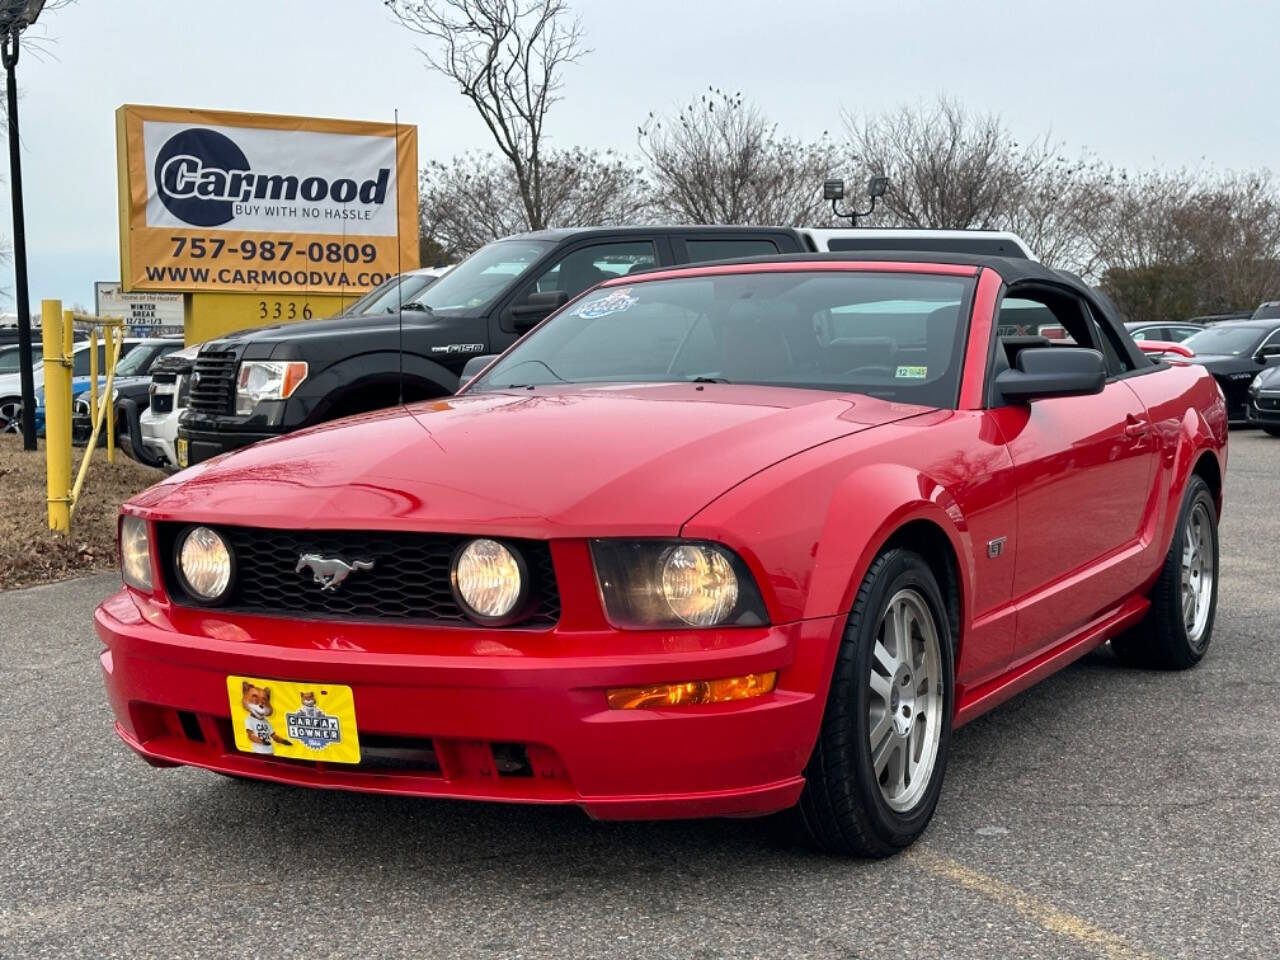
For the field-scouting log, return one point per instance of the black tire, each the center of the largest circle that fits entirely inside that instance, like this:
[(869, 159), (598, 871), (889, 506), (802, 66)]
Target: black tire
[(1161, 641), (842, 809), (1272, 431)]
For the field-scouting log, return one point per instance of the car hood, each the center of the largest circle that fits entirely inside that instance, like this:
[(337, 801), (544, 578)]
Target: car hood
[(637, 460)]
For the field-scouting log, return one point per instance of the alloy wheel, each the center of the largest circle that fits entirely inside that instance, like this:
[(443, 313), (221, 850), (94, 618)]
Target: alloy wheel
[(10, 416), (1199, 566), (904, 713)]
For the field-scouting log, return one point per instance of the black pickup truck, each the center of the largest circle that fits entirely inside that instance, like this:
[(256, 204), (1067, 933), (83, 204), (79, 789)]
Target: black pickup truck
[(266, 382)]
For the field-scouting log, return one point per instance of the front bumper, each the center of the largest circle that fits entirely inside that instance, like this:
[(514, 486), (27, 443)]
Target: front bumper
[(206, 444), (464, 699), (158, 433), (1264, 410)]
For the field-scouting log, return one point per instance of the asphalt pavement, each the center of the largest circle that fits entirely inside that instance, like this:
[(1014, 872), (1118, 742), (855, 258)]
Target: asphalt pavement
[(1104, 813)]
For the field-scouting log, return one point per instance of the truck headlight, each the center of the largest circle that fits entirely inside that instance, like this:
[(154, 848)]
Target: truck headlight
[(675, 583), (204, 564), (488, 580), (267, 380), (135, 553)]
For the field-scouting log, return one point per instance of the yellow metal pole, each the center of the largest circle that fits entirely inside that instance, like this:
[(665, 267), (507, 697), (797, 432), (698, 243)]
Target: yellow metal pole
[(93, 374), (114, 339), (57, 414)]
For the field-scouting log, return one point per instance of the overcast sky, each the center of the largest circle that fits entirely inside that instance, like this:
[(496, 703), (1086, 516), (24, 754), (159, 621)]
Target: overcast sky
[(1139, 83)]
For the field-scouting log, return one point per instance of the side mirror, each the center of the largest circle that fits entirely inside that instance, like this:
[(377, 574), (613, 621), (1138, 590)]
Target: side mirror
[(1269, 351), (1053, 372), (473, 367), (537, 307)]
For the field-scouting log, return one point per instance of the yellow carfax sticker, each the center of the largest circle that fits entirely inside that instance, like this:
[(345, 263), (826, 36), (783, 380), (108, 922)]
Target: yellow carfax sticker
[(306, 721), (912, 373)]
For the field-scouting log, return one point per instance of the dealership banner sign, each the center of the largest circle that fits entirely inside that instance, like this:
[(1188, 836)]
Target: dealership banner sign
[(240, 202)]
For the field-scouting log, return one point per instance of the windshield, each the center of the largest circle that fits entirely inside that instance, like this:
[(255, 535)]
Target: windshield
[(1236, 341), (9, 357), (138, 361), (478, 280), (896, 336), (387, 299)]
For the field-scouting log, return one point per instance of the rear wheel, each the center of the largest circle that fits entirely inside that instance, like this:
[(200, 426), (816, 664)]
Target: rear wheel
[(1177, 629), (876, 772), (1272, 431)]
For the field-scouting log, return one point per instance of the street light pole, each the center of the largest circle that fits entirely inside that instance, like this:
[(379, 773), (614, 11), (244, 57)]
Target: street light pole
[(10, 56)]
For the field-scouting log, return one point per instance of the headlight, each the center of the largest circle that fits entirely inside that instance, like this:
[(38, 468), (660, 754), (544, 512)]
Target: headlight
[(135, 553), (115, 394), (675, 583), (204, 564), (488, 580), (267, 380), (1255, 387)]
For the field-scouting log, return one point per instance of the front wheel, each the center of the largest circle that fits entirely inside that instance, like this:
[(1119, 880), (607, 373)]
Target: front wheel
[(1272, 431), (876, 772), (1177, 629)]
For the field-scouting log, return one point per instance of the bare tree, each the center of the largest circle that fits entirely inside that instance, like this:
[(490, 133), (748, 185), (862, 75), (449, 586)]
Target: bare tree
[(718, 160), (952, 169), (946, 167), (1174, 244), (475, 199), (506, 57)]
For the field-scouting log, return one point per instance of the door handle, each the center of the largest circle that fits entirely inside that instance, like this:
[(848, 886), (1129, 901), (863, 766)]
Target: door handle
[(1134, 428)]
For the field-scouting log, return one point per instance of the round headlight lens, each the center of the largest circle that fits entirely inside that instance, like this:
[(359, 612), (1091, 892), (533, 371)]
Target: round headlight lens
[(488, 579), (205, 563), (698, 584)]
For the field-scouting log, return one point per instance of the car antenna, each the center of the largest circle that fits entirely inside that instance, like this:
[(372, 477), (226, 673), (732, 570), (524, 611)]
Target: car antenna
[(399, 283)]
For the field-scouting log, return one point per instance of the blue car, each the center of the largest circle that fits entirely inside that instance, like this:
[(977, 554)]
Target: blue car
[(134, 366)]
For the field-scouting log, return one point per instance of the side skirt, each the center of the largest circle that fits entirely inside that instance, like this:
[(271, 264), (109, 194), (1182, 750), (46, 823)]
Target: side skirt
[(972, 703)]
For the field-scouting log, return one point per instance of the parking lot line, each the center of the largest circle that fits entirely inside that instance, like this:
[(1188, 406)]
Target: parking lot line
[(1103, 942)]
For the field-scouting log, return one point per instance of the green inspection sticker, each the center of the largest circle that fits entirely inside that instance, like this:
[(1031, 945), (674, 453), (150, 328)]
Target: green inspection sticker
[(912, 373)]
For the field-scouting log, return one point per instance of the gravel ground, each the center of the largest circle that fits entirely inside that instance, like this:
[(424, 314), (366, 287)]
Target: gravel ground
[(1105, 813)]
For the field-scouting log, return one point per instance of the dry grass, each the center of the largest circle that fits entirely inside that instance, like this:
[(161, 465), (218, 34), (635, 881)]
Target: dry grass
[(32, 553)]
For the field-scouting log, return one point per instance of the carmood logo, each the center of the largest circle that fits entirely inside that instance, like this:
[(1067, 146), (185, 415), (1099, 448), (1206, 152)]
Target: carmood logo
[(202, 176), (181, 180)]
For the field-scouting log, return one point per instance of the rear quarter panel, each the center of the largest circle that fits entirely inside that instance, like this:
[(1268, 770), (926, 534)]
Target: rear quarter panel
[(1189, 417)]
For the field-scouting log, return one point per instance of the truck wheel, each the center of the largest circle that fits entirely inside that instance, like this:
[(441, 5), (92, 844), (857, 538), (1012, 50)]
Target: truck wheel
[(876, 772), (1177, 629)]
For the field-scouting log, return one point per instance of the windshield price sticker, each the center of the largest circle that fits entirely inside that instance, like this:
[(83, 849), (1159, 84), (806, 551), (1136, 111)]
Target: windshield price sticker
[(616, 302)]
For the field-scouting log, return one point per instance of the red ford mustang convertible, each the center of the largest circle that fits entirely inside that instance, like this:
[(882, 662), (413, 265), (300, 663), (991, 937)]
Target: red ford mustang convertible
[(725, 540)]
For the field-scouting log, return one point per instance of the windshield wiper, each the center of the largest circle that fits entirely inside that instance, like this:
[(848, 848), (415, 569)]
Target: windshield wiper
[(709, 380), (414, 305)]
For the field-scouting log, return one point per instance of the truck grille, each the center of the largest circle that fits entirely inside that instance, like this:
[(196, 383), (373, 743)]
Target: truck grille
[(213, 382), (409, 580)]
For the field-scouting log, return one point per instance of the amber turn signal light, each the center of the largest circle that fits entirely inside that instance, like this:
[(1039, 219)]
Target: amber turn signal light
[(698, 691)]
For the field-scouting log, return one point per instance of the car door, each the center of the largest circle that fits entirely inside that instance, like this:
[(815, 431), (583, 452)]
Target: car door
[(1082, 467), (577, 268)]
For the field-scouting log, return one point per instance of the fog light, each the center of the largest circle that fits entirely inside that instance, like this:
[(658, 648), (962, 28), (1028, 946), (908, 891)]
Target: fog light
[(695, 692), (204, 563), (488, 579)]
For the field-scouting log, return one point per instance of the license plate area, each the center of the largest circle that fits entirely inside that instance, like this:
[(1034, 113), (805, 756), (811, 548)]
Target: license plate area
[(300, 721)]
